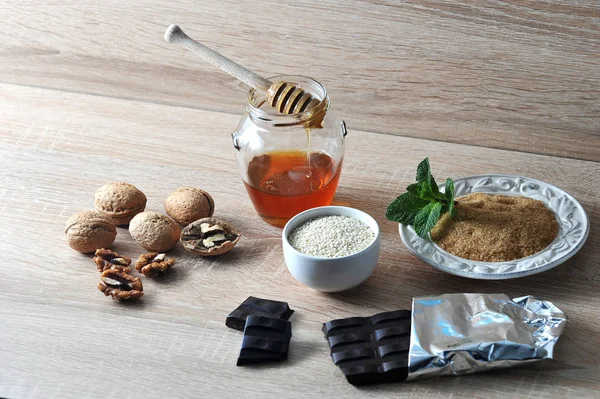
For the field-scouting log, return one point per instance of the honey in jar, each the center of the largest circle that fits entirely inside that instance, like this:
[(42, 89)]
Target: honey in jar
[(284, 183)]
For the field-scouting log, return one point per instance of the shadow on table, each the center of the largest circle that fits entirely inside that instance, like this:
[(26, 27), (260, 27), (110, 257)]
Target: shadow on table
[(396, 282), (512, 381), (301, 350), (173, 276), (389, 294), (400, 276), (138, 304)]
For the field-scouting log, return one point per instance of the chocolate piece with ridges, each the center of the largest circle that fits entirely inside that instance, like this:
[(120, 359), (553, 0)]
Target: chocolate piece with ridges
[(371, 350), (257, 307), (265, 340)]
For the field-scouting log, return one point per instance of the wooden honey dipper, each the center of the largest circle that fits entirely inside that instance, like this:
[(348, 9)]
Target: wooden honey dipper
[(286, 97)]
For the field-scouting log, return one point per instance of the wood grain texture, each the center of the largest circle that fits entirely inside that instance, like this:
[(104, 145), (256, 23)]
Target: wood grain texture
[(521, 75), (174, 34), (61, 338)]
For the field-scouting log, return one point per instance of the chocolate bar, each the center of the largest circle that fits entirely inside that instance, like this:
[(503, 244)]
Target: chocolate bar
[(265, 340), (371, 350), (257, 307)]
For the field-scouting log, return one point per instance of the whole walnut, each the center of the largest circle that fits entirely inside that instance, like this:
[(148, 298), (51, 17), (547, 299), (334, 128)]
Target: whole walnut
[(187, 204), (154, 231), (120, 202), (89, 230)]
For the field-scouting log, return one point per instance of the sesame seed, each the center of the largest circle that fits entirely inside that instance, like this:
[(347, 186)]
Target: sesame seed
[(331, 236)]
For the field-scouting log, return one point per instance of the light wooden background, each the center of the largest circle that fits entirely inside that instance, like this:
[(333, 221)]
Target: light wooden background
[(90, 93)]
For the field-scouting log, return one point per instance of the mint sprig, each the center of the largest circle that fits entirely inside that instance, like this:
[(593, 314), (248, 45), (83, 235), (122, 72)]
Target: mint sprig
[(423, 204)]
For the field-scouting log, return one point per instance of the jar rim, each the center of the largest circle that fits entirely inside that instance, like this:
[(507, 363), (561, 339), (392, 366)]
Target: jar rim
[(254, 105)]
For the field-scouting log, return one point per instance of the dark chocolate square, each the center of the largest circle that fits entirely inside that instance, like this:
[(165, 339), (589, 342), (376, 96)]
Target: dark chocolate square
[(371, 350), (265, 340), (257, 307)]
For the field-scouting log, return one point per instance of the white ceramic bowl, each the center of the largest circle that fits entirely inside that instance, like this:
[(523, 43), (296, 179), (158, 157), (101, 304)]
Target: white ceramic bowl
[(331, 274)]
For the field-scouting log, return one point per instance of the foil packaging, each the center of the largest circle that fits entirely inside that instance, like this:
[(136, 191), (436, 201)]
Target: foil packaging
[(458, 334)]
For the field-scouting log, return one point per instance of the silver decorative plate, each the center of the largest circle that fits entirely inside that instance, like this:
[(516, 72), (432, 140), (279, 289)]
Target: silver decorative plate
[(572, 219)]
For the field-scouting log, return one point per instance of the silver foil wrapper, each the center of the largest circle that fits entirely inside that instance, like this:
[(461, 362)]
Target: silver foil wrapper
[(458, 334)]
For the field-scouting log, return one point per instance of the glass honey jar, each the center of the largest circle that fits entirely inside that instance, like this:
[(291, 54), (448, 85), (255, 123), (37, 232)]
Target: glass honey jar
[(289, 163)]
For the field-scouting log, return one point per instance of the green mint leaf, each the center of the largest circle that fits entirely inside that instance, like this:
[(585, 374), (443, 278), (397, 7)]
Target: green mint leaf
[(445, 209), (430, 191), (449, 192), (426, 192), (423, 171), (428, 185), (435, 191), (404, 208), (407, 218), (426, 218), (423, 204), (414, 188)]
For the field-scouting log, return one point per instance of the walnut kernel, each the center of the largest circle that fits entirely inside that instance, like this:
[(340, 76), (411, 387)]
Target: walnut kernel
[(153, 263), (120, 285), (89, 230), (106, 259)]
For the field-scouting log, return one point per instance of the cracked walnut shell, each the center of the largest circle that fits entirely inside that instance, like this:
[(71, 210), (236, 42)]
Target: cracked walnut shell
[(120, 285), (187, 204), (209, 237), (153, 263), (154, 232), (89, 230), (106, 259), (120, 202)]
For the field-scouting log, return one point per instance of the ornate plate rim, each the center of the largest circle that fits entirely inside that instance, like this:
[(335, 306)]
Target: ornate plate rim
[(407, 233)]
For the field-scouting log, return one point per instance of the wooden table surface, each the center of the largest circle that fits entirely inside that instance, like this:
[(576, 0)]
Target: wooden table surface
[(90, 93)]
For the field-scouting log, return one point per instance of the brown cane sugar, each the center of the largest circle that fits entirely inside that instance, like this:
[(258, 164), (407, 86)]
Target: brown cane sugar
[(496, 228)]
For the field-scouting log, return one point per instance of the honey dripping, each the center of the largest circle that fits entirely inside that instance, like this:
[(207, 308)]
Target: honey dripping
[(307, 130), (282, 184)]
